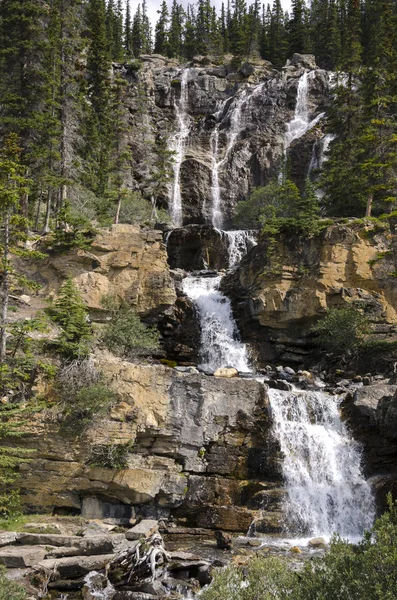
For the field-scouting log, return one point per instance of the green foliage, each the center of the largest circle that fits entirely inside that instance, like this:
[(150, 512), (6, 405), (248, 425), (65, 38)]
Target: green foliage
[(341, 331), (264, 578), (9, 590), (281, 207), (126, 335), (136, 210), (346, 572), (70, 313), (72, 230), (110, 456), (368, 570), (84, 394), (12, 418)]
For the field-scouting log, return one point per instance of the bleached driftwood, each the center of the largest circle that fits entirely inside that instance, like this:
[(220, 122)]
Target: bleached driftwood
[(144, 560)]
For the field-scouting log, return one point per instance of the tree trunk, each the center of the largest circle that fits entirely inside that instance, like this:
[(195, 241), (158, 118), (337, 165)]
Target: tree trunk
[(5, 290), (369, 205), (118, 208), (63, 92)]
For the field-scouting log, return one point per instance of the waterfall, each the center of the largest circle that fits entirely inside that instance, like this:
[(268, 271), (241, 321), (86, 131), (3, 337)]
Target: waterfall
[(220, 345), (238, 243), (235, 126), (217, 217), (300, 122), (327, 492), (177, 145)]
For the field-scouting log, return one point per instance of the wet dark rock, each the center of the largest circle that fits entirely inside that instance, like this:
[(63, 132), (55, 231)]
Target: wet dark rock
[(224, 541), (280, 384)]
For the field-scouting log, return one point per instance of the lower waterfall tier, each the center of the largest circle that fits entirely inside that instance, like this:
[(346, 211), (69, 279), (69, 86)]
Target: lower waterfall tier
[(321, 465)]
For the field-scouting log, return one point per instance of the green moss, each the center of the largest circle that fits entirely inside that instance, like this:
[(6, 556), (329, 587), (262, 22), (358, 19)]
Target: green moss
[(169, 363)]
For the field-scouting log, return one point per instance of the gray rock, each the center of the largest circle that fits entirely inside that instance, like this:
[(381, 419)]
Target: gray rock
[(8, 538), (190, 370), (289, 370), (98, 544), (247, 69), (144, 529), (19, 557), (280, 384), (74, 567), (317, 542)]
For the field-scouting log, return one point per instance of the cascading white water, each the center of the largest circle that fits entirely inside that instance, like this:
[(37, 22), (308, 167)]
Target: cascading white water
[(220, 345), (327, 492), (95, 590), (300, 122), (217, 216), (177, 145), (235, 126), (239, 241)]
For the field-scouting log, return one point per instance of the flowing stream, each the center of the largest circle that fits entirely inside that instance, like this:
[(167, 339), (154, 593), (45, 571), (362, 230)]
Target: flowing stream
[(327, 492), (177, 145)]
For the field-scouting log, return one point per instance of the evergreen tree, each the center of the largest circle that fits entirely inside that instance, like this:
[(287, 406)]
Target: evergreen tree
[(98, 118), (161, 44), (146, 30), (278, 37), (13, 185), (176, 30), (297, 28), (70, 313), (137, 35), (128, 45), (189, 42)]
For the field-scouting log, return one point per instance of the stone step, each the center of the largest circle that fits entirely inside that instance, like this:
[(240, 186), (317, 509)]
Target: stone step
[(75, 566), (20, 557)]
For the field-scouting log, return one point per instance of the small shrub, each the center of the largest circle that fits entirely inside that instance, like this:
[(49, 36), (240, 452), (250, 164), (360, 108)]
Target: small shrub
[(261, 578), (341, 331), (347, 571), (9, 590), (72, 231), (84, 394), (110, 456), (126, 335)]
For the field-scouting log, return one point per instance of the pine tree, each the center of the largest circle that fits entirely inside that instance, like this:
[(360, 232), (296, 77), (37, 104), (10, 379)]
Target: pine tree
[(70, 95), (98, 118), (146, 30), (189, 46), (161, 44), (25, 84), (239, 29), (137, 33), (70, 313), (297, 28), (128, 45), (13, 185), (176, 29), (278, 37), (308, 211)]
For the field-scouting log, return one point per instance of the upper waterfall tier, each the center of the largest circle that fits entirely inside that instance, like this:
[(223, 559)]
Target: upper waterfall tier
[(177, 146), (228, 131), (327, 492)]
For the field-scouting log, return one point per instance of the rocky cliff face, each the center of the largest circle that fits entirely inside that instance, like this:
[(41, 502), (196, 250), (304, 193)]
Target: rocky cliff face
[(277, 296), (199, 451), (235, 124)]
